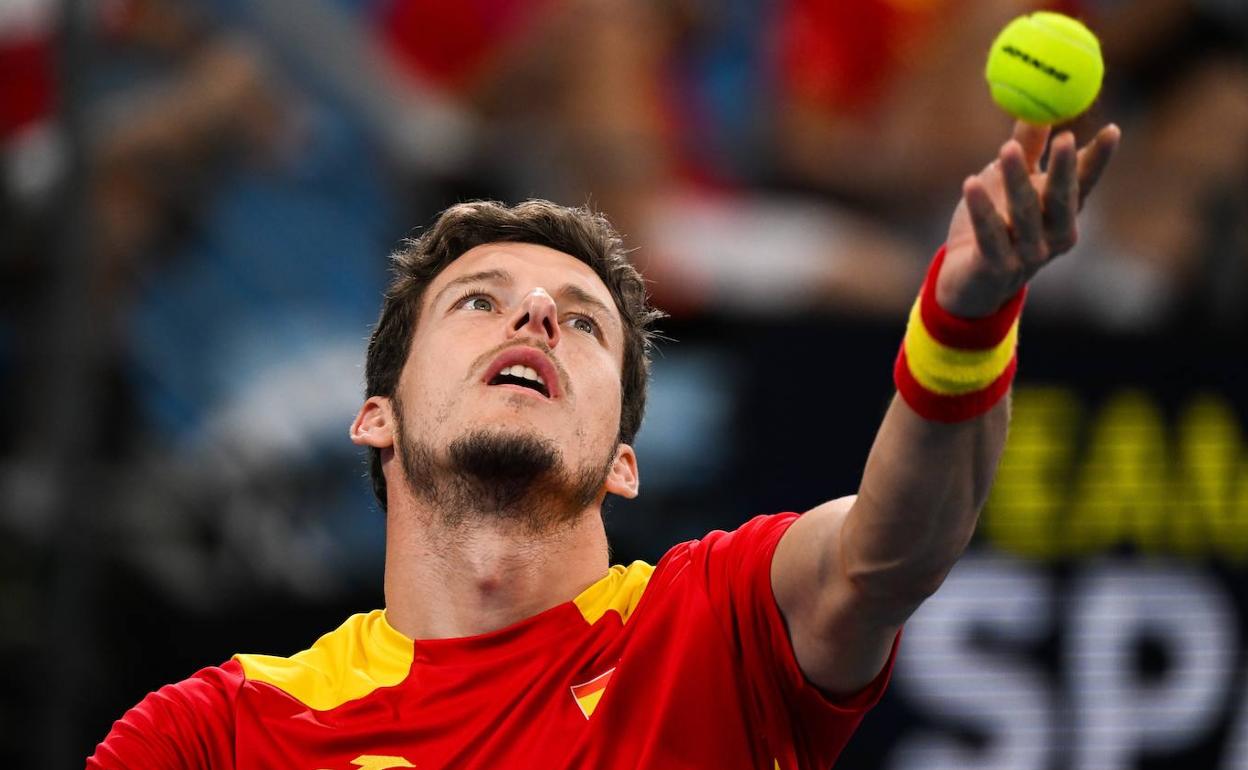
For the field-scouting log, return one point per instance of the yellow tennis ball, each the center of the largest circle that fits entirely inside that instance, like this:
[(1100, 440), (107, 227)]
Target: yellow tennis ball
[(1045, 68)]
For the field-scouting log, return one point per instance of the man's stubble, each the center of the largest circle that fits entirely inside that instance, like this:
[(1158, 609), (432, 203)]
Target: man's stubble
[(493, 475)]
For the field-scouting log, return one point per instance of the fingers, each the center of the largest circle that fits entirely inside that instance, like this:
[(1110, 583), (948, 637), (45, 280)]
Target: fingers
[(991, 234), (1024, 206), (1060, 200), (1031, 227), (1032, 139), (1094, 157)]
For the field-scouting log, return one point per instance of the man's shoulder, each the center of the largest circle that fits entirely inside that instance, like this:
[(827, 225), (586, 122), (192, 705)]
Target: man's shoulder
[(360, 656), (760, 532), (713, 562), (190, 718), (210, 685)]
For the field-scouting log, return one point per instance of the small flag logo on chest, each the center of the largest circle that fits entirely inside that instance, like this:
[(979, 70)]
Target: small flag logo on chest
[(589, 693)]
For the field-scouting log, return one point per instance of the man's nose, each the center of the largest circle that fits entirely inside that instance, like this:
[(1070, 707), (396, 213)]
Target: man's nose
[(537, 315)]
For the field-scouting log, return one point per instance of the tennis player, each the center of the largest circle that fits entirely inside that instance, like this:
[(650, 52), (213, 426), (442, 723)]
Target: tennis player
[(506, 381)]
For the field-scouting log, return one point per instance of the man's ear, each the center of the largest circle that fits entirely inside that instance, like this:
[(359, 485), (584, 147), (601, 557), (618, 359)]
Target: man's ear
[(374, 424), (623, 480)]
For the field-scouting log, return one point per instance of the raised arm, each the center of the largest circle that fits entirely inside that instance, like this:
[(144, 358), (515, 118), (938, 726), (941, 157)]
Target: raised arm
[(849, 572)]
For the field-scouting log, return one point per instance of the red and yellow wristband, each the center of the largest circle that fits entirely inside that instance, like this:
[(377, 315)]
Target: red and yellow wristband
[(949, 368)]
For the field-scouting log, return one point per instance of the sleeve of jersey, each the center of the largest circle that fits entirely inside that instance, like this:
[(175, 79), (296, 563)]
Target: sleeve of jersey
[(805, 728), (185, 725)]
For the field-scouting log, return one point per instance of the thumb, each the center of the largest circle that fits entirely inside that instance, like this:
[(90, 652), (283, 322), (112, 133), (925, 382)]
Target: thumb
[(1033, 139)]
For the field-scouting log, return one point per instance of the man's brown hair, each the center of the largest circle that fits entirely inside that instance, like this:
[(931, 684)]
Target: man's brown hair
[(579, 232)]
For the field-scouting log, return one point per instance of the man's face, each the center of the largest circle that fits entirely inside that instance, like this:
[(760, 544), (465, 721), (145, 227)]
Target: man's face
[(515, 341)]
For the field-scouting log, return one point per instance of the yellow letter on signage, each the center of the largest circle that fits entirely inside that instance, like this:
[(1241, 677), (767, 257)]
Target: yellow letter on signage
[(1121, 494), (1209, 519), (1022, 514)]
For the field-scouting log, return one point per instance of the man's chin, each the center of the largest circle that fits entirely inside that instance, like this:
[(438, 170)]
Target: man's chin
[(504, 454), (503, 474)]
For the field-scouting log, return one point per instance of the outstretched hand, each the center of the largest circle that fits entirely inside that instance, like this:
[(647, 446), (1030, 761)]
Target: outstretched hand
[(1014, 219)]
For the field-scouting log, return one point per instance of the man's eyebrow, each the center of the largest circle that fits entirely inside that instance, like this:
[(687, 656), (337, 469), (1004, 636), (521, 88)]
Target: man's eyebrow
[(482, 276)]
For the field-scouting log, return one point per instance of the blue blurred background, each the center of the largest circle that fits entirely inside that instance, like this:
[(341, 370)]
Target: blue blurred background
[(197, 198)]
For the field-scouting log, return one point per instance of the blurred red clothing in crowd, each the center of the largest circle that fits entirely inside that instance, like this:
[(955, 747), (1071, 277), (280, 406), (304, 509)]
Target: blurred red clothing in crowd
[(451, 42), (27, 86), (845, 55)]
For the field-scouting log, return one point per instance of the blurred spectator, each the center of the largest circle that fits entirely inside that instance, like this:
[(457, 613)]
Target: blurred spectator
[(27, 99), (1161, 243), (885, 101), (244, 222), (32, 160)]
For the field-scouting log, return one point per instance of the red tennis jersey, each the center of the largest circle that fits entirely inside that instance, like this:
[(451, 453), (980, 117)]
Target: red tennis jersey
[(683, 665)]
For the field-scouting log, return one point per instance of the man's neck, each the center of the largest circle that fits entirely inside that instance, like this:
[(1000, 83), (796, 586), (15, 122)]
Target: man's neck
[(479, 576)]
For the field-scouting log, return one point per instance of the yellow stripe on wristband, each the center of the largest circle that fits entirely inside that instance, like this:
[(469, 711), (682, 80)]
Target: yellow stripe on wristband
[(949, 371)]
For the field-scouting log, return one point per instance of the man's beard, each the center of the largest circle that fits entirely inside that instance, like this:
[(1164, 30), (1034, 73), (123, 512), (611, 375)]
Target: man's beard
[(492, 475)]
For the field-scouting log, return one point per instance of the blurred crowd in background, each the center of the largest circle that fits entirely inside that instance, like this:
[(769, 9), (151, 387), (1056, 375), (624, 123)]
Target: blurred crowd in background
[(197, 198)]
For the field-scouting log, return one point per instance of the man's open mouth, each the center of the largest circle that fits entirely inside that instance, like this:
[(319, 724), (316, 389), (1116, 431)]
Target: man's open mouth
[(524, 376), (525, 367)]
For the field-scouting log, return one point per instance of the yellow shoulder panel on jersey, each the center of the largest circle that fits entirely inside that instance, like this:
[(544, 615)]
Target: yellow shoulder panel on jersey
[(620, 591), (360, 656)]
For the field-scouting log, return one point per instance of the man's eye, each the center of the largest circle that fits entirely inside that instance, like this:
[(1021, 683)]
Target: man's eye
[(584, 324), (477, 302)]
